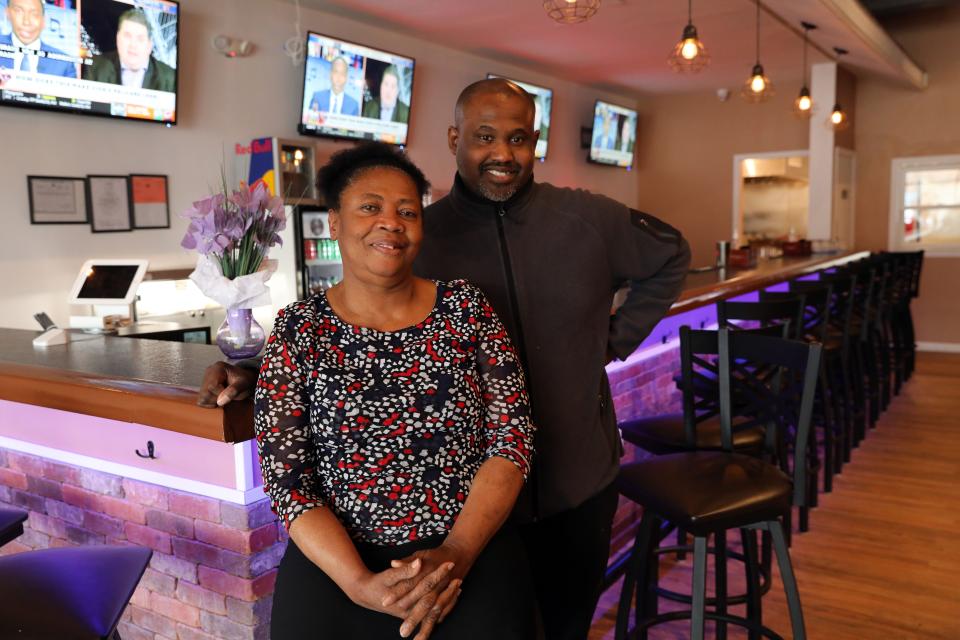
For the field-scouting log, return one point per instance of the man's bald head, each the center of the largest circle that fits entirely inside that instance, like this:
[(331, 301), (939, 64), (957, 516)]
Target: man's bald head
[(491, 87)]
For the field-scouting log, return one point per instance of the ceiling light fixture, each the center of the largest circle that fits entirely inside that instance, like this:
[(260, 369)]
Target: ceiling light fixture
[(689, 55), (571, 11), (839, 119), (803, 105), (758, 87)]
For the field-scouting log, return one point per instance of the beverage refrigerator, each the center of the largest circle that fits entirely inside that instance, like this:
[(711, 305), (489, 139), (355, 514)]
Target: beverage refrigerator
[(318, 262)]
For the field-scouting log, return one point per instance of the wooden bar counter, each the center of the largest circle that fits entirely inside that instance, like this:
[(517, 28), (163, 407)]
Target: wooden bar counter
[(150, 382), (708, 287)]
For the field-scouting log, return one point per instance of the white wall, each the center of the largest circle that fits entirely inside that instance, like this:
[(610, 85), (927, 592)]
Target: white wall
[(223, 101)]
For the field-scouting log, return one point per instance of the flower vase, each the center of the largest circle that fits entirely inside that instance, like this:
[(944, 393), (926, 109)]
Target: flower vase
[(240, 336)]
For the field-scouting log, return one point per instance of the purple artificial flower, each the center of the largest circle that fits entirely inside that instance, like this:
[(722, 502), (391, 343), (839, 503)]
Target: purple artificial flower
[(251, 201), (201, 208), (238, 229)]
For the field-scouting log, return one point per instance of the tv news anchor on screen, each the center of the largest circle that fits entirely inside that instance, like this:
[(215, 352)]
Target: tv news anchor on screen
[(335, 99), (133, 64), (23, 48), (388, 106), (606, 136)]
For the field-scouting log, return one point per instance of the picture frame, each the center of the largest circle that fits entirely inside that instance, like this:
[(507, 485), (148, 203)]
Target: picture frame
[(315, 225), (109, 203), (57, 200), (150, 201)]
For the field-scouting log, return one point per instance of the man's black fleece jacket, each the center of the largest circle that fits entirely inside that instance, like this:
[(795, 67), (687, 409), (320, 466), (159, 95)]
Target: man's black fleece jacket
[(550, 260)]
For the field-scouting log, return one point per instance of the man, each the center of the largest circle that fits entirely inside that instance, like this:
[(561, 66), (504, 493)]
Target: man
[(604, 139), (133, 63), (388, 107), (334, 99), (625, 140), (21, 49), (549, 260)]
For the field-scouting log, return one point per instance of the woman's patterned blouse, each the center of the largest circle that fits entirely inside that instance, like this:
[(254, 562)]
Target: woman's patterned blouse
[(388, 429)]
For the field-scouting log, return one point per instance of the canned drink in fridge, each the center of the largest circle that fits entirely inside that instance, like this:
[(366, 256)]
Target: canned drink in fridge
[(309, 249)]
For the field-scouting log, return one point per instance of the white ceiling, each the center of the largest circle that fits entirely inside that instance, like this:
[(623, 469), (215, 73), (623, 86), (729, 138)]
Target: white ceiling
[(624, 47)]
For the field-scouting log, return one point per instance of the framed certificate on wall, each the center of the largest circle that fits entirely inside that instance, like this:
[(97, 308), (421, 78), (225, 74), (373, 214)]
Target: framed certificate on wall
[(55, 200), (151, 206), (108, 200)]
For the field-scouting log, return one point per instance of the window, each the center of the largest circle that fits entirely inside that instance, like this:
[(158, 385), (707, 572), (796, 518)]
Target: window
[(925, 205)]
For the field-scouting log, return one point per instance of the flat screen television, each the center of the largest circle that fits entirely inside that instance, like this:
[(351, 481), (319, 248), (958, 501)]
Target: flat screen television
[(114, 58), (543, 100), (354, 91), (614, 135)]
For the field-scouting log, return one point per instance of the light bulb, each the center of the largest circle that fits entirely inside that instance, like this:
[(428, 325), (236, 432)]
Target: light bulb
[(836, 117), (298, 154), (689, 50), (757, 84), (804, 103)]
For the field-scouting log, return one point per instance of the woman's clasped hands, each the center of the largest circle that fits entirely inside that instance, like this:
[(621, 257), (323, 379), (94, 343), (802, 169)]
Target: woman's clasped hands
[(421, 589)]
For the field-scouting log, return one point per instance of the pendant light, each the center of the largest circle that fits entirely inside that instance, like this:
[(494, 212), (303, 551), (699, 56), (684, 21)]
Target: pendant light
[(758, 87), (803, 105), (839, 119), (571, 11), (689, 55)]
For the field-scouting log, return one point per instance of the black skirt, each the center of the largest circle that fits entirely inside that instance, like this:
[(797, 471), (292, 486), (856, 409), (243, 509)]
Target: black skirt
[(497, 600)]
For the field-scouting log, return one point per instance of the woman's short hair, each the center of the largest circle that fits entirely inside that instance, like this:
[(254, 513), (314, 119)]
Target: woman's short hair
[(346, 166)]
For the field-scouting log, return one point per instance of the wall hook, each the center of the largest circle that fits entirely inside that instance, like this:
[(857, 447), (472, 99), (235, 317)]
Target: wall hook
[(150, 451)]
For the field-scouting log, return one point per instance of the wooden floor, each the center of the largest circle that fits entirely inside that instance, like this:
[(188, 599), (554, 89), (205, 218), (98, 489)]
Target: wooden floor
[(882, 558)]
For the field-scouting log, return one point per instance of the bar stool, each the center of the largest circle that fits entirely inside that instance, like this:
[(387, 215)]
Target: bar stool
[(906, 281), (839, 356), (866, 384), (698, 428), (11, 524), (816, 298), (916, 268), (879, 336), (800, 317), (69, 593), (710, 492)]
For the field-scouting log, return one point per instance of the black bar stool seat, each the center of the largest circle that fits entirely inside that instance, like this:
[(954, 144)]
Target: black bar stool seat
[(11, 524), (69, 593), (664, 434), (705, 491)]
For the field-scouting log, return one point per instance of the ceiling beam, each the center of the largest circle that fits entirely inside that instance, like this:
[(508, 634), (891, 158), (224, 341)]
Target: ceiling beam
[(861, 23)]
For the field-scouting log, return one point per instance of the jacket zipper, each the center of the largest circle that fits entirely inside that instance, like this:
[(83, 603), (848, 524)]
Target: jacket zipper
[(521, 347)]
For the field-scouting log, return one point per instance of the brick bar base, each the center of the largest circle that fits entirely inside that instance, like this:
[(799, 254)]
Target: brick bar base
[(214, 563), (641, 390)]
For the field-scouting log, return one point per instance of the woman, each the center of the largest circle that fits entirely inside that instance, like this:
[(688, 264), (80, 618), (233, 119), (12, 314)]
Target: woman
[(392, 422)]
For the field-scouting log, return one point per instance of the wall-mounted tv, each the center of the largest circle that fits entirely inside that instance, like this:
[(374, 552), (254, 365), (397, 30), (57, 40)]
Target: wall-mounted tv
[(353, 91), (543, 100), (614, 135), (114, 58)]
